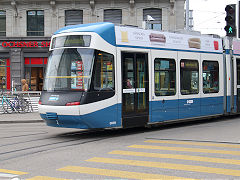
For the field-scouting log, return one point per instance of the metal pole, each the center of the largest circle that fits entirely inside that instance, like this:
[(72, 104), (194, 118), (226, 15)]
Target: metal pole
[(232, 72), (225, 83), (187, 14), (237, 20)]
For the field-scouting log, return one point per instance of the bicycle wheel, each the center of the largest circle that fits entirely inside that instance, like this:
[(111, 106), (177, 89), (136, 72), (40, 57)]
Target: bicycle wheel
[(7, 108), (24, 105), (1, 108), (17, 105)]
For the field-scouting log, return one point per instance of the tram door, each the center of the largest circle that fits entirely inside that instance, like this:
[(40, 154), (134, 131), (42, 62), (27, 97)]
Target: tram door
[(238, 85), (135, 89)]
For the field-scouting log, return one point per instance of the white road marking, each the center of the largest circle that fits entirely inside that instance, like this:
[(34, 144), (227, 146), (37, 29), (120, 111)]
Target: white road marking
[(7, 175)]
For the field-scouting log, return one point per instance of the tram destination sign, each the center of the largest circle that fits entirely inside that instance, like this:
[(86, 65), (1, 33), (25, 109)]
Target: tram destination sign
[(25, 44)]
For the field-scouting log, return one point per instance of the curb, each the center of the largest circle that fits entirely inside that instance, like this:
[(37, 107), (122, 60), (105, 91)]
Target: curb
[(25, 121)]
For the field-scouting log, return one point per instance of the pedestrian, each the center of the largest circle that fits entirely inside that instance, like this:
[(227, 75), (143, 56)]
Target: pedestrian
[(24, 85)]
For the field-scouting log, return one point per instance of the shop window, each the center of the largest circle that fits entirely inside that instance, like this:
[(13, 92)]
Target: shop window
[(156, 14), (5, 78), (113, 15), (103, 72), (165, 77), (73, 17), (210, 77), (35, 23), (34, 77), (189, 77), (34, 71), (2, 23)]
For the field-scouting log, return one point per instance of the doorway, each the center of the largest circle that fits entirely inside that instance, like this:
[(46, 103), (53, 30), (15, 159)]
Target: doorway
[(34, 77), (135, 89)]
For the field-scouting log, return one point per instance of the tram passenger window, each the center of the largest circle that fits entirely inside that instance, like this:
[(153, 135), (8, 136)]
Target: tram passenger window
[(103, 71), (189, 77), (165, 77), (210, 77)]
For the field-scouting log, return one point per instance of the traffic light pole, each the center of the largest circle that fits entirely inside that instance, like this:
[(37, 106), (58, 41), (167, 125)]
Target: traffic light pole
[(230, 29), (232, 73)]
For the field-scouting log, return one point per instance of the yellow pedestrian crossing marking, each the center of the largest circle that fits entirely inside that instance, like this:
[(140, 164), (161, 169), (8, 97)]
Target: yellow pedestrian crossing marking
[(150, 164), (45, 178), (186, 149), (183, 167), (174, 156), (117, 173), (12, 172), (195, 143)]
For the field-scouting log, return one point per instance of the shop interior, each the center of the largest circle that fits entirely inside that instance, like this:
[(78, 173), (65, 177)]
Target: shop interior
[(34, 77)]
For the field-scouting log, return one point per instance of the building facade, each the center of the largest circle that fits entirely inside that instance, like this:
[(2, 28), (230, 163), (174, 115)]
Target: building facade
[(27, 25)]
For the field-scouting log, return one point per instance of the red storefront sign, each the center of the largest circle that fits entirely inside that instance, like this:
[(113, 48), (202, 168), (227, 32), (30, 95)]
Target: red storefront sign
[(8, 75), (35, 61), (29, 44)]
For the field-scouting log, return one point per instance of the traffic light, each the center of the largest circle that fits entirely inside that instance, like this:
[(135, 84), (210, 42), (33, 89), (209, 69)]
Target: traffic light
[(230, 19)]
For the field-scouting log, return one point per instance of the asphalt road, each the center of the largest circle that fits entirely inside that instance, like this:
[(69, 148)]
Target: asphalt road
[(207, 149)]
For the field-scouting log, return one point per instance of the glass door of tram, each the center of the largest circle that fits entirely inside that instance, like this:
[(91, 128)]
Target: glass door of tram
[(135, 89), (238, 85)]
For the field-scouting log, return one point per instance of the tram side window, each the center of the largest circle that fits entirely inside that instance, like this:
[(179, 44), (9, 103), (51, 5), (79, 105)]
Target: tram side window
[(165, 77), (103, 71), (189, 77), (210, 77)]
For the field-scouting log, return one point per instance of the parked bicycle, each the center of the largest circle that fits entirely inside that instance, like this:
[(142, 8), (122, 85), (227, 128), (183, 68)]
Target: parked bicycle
[(17, 104)]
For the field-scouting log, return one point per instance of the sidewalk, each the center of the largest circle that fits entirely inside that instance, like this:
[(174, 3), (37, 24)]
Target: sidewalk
[(20, 118)]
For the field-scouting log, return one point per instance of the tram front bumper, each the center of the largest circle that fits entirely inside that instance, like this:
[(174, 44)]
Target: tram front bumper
[(62, 116)]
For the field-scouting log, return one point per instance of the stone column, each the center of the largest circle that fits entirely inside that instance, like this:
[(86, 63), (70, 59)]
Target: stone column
[(16, 67)]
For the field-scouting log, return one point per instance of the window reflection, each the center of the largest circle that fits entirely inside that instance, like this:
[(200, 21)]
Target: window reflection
[(103, 71), (35, 23), (2, 23), (210, 77), (165, 77), (189, 77)]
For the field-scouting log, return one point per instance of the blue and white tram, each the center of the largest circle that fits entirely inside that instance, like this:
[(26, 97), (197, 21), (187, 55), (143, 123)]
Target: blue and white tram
[(105, 76)]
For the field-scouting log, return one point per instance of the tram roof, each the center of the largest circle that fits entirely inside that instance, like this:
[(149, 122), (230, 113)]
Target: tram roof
[(105, 29), (139, 38)]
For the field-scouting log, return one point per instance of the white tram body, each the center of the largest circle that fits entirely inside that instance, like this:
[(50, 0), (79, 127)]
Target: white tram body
[(105, 76)]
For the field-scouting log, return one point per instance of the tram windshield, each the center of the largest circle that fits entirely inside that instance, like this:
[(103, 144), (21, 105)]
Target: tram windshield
[(69, 69)]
